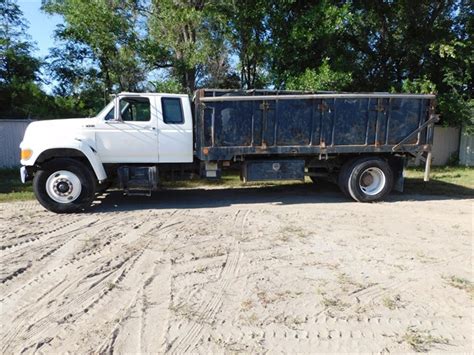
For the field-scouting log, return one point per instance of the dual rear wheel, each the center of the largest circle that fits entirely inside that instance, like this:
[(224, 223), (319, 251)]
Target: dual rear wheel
[(366, 179)]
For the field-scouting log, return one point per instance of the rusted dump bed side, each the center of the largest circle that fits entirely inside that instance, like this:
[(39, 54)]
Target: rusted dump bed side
[(261, 122)]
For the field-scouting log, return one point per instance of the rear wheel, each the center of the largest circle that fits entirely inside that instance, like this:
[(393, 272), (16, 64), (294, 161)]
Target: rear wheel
[(64, 186), (343, 177), (366, 179)]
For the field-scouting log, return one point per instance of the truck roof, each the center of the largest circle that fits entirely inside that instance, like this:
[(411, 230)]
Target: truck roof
[(151, 94)]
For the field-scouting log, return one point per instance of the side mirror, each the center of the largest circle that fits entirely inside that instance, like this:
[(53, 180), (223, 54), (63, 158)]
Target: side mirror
[(117, 115)]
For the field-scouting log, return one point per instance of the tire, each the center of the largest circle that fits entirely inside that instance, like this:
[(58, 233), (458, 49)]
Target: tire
[(368, 179), (344, 175), (64, 186)]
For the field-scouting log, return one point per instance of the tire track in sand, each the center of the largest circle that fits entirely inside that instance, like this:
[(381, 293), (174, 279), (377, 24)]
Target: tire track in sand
[(142, 325), (87, 227), (28, 238), (63, 311), (209, 309)]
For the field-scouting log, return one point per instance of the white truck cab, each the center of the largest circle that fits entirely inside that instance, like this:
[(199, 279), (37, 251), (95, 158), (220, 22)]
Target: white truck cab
[(134, 128)]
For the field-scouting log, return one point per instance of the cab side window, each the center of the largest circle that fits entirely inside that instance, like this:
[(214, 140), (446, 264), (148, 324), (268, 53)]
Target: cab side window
[(172, 110), (135, 109)]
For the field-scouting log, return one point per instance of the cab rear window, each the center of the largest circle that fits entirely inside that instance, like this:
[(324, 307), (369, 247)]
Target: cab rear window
[(172, 110)]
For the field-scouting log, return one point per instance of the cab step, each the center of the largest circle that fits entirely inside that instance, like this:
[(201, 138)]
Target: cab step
[(138, 180)]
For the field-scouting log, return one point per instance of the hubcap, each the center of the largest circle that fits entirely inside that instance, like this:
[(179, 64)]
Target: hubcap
[(372, 181), (63, 186)]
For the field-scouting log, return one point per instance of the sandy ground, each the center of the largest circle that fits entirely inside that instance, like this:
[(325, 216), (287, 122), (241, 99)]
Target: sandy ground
[(278, 269)]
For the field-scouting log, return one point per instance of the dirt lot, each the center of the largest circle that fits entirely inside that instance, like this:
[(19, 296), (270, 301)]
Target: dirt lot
[(283, 268)]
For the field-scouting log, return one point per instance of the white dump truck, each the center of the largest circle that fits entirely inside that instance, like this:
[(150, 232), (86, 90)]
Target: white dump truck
[(359, 140)]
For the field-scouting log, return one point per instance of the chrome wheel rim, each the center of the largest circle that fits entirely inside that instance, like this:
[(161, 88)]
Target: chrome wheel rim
[(372, 181), (63, 186)]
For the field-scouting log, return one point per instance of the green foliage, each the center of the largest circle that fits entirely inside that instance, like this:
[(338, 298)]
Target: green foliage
[(188, 38), (322, 79), (418, 86), (169, 86), (106, 46), (19, 95), (304, 34), (249, 40), (105, 33)]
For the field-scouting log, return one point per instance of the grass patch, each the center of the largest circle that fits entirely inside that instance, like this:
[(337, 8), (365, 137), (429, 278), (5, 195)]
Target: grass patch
[(447, 180), (229, 179), (457, 181), (421, 340), (11, 188)]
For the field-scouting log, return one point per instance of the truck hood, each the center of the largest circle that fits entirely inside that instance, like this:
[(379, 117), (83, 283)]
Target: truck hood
[(51, 132), (55, 129), (68, 124)]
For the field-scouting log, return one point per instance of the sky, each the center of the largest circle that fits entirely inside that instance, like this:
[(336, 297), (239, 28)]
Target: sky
[(41, 25)]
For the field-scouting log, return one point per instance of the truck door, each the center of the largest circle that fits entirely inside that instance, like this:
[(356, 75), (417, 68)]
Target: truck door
[(175, 130), (129, 135)]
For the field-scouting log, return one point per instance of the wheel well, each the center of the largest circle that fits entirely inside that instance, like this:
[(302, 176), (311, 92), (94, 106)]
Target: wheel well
[(51, 154)]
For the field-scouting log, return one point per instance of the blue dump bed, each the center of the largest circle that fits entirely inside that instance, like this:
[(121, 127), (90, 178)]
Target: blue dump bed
[(232, 123)]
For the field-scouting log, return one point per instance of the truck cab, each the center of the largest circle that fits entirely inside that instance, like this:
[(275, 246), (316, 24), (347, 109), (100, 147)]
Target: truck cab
[(72, 158), (145, 128)]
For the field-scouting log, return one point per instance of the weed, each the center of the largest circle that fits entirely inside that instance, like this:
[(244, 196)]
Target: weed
[(292, 322), (421, 340), (251, 319), (247, 305), (201, 269), (347, 283), (392, 303), (461, 283), (334, 303), (291, 231), (266, 298)]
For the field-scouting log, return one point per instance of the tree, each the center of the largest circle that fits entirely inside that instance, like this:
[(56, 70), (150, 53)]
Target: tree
[(187, 35), (305, 34), (103, 34), (404, 42), (107, 46), (249, 39), (19, 69)]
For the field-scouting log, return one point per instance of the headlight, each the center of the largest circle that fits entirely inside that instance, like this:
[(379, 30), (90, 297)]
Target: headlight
[(26, 154)]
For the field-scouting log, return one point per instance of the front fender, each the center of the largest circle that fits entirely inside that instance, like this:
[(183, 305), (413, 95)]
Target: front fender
[(94, 160), (79, 145)]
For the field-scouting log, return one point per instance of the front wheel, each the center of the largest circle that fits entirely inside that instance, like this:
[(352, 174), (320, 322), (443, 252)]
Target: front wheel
[(367, 179), (64, 186)]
